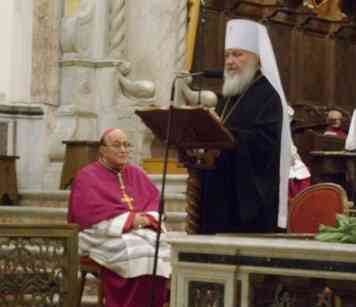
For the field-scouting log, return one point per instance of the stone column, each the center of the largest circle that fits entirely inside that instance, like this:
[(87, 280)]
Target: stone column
[(21, 121), (46, 51), (83, 45)]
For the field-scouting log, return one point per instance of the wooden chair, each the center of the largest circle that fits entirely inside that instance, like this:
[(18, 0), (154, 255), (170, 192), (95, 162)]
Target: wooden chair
[(87, 265), (317, 204)]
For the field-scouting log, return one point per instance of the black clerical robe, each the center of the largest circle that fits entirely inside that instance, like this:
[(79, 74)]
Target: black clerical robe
[(242, 193)]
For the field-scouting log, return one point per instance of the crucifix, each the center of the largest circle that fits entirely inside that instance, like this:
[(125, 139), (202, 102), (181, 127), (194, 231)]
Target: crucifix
[(126, 199)]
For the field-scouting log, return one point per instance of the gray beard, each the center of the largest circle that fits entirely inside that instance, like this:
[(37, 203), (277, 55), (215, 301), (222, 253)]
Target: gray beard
[(235, 84)]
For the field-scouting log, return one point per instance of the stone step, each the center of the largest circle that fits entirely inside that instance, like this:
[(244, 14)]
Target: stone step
[(90, 293), (175, 221), (174, 183), (174, 202)]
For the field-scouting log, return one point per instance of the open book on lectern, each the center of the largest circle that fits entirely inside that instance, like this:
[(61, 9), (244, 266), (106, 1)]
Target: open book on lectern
[(191, 127)]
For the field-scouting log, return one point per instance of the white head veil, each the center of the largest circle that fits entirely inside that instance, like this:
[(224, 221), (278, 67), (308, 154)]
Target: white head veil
[(253, 37)]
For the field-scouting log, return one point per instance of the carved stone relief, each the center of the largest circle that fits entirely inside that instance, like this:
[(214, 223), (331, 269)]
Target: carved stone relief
[(77, 30), (118, 29), (206, 294), (288, 291)]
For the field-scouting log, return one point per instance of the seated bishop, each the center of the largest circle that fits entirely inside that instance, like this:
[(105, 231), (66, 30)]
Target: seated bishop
[(116, 206), (335, 129)]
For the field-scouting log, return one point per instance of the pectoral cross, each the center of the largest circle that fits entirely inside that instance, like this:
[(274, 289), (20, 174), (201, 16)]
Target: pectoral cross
[(126, 199)]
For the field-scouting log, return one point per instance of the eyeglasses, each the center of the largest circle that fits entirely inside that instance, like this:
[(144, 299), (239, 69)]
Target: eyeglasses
[(118, 146)]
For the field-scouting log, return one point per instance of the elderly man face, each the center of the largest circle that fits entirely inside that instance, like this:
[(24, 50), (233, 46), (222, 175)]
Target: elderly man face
[(115, 149), (335, 118), (240, 69)]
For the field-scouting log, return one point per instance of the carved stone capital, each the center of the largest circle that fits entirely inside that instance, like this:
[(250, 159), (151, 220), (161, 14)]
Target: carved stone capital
[(191, 97), (142, 90)]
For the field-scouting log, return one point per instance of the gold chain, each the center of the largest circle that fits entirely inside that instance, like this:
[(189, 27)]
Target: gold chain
[(122, 186), (228, 101)]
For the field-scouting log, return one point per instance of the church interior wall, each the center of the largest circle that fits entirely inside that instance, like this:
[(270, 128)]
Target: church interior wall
[(21, 55), (6, 13), (80, 80)]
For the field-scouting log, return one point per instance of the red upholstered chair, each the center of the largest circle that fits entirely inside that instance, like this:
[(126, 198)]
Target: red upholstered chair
[(318, 204), (87, 265)]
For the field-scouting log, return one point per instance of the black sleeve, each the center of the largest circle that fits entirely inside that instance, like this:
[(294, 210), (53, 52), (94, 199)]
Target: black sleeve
[(266, 131)]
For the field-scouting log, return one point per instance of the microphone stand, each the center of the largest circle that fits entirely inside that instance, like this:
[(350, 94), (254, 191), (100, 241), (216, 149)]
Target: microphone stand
[(203, 20), (166, 151), (162, 199)]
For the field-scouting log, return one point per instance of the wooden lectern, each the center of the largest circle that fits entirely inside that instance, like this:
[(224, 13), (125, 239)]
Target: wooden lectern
[(194, 131)]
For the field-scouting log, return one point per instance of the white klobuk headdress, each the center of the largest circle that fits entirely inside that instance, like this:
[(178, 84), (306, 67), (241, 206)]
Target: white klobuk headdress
[(253, 37)]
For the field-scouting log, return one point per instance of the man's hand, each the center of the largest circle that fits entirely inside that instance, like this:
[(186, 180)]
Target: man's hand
[(140, 221)]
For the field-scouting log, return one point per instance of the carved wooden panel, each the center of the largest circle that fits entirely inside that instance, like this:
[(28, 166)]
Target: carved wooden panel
[(209, 51), (282, 39), (8, 181), (313, 68), (38, 265), (345, 89), (78, 154), (279, 291), (3, 138), (206, 294)]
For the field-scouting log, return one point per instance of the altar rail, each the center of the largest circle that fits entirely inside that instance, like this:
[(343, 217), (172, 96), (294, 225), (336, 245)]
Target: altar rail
[(261, 270), (38, 265)]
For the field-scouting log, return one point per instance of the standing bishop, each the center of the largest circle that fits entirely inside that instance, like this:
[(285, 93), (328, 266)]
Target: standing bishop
[(248, 189)]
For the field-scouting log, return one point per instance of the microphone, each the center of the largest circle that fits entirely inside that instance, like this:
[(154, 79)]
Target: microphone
[(208, 73), (213, 74)]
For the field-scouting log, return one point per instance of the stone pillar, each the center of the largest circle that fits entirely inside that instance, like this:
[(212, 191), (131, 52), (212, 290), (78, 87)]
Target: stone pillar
[(6, 13), (22, 121), (96, 91), (15, 54), (82, 43), (21, 52), (46, 51)]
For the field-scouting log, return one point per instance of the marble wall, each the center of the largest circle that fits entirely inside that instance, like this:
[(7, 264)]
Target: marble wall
[(88, 71), (152, 37), (46, 51), (22, 133), (21, 52), (6, 9)]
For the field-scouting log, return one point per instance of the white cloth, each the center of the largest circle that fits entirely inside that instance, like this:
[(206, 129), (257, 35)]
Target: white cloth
[(298, 169), (128, 254), (351, 136), (253, 37)]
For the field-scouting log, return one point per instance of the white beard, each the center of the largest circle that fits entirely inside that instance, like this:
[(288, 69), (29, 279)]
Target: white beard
[(235, 83)]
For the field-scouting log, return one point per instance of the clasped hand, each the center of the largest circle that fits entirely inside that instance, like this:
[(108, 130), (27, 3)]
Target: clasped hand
[(140, 221)]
